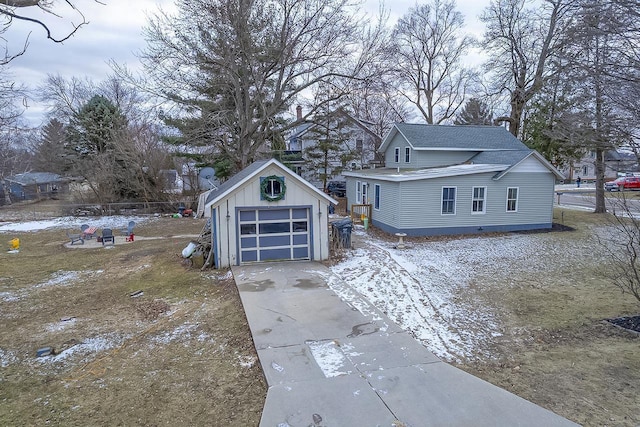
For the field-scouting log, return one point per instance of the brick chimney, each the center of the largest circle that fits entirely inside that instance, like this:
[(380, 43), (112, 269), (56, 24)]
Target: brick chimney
[(299, 112)]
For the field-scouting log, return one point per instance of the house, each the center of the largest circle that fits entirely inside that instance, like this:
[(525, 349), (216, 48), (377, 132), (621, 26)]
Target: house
[(616, 163), (266, 212), (453, 180), (353, 142), (36, 185)]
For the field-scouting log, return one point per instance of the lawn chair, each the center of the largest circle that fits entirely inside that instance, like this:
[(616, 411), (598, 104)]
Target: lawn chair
[(75, 238), (129, 231), (108, 237), (88, 232)]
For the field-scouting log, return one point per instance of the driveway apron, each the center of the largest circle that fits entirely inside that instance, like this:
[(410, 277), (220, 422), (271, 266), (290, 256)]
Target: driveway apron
[(328, 363)]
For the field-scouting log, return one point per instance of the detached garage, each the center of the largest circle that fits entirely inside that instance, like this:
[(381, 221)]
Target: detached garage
[(267, 213)]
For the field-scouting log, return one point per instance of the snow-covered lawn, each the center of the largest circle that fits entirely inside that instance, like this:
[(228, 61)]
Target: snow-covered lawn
[(71, 222), (435, 289)]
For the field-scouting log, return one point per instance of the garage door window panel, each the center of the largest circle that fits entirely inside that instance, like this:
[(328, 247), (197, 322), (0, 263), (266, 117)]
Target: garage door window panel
[(275, 227), (300, 239), (275, 241), (247, 229), (275, 214), (275, 254)]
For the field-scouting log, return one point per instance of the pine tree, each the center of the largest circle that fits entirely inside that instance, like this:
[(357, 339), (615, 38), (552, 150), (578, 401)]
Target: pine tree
[(49, 155), (474, 112)]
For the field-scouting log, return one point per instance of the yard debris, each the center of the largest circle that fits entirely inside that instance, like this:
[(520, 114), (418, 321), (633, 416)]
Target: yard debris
[(151, 310), (136, 294), (45, 351), (67, 318)]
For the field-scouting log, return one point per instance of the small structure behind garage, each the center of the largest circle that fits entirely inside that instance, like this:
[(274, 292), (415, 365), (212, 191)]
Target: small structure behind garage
[(266, 212)]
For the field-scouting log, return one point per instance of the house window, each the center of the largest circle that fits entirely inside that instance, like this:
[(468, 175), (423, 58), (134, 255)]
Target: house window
[(448, 200), (407, 154), (376, 197), (358, 192), (397, 155), (359, 145), (478, 200), (512, 199), (585, 170)]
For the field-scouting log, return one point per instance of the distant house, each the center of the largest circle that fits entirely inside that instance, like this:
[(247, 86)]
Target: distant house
[(356, 139), (454, 180), (616, 162), (36, 185), (266, 212)]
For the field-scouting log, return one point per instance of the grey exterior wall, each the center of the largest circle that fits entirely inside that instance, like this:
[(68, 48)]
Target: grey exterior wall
[(422, 158), (414, 207)]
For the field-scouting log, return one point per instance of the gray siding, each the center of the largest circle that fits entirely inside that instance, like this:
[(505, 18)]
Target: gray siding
[(421, 158), (389, 211), (422, 201)]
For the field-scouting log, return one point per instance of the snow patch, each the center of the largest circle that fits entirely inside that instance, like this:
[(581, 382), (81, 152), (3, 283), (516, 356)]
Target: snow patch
[(329, 358)]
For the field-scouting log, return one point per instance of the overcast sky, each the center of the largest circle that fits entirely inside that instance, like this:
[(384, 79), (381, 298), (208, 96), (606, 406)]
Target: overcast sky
[(114, 32)]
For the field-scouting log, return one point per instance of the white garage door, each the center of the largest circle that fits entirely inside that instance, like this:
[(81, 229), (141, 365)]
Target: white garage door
[(274, 234)]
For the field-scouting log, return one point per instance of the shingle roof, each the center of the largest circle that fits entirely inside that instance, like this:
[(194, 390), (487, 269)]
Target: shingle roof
[(235, 179), (35, 178), (472, 138), (502, 157)]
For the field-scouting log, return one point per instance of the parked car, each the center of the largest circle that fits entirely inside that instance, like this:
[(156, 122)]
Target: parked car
[(622, 183), (337, 188)]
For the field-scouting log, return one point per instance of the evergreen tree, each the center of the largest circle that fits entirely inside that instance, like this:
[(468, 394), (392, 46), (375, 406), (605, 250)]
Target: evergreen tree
[(474, 112), (49, 154), (94, 128)]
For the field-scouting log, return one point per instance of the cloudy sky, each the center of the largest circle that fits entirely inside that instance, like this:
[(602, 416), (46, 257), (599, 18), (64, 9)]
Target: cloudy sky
[(114, 33)]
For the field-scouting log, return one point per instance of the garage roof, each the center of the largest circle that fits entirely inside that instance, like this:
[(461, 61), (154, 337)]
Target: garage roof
[(251, 171)]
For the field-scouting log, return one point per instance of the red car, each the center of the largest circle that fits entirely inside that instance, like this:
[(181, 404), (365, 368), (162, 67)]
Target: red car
[(622, 183)]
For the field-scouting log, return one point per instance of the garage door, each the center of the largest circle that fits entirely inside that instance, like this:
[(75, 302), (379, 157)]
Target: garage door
[(274, 234)]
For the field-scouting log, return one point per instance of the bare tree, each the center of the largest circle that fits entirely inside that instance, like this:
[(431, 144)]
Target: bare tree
[(14, 10), (429, 49), (237, 66), (520, 40), (622, 245)]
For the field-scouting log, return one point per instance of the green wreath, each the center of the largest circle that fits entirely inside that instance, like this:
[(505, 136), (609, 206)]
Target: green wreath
[(264, 188)]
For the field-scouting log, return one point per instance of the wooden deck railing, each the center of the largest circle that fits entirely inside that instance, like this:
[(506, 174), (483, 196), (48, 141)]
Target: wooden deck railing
[(360, 211)]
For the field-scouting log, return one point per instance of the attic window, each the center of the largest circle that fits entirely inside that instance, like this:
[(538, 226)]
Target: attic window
[(272, 188)]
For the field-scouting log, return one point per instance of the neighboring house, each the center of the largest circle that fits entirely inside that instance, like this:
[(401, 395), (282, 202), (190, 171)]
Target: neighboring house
[(616, 163), (357, 146), (454, 180), (267, 213), (36, 185)]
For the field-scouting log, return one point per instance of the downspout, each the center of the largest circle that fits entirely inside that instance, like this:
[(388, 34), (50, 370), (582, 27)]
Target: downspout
[(228, 237), (320, 228)]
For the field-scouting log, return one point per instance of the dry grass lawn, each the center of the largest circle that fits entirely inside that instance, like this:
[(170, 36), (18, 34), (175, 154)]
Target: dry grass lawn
[(179, 354)]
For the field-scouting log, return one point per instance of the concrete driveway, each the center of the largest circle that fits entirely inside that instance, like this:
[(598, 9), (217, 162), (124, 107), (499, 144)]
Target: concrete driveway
[(329, 364)]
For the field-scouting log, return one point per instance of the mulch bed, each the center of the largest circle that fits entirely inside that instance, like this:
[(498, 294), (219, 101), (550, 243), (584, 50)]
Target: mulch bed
[(632, 322)]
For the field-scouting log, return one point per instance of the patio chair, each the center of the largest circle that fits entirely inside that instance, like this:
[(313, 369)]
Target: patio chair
[(108, 237), (129, 230), (75, 238), (88, 232)]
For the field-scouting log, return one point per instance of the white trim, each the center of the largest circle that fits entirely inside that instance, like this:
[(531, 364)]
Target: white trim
[(392, 175), (285, 170), (507, 199), (407, 154), (483, 199), (455, 200)]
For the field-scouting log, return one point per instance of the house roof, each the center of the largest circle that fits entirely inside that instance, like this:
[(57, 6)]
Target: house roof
[(251, 171), (302, 128), (454, 138), (389, 174), (35, 178)]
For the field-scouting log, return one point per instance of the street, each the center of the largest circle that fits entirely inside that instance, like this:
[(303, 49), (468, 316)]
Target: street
[(586, 199)]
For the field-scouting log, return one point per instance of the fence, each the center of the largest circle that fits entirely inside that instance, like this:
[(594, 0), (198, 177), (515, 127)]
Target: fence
[(52, 209), (358, 212)]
